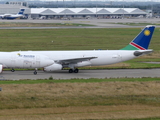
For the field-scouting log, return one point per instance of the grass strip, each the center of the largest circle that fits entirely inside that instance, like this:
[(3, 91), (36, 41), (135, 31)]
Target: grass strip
[(91, 80), (71, 39), (63, 24)]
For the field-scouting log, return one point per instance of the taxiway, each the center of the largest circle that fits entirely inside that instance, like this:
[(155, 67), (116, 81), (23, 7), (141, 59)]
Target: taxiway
[(84, 74)]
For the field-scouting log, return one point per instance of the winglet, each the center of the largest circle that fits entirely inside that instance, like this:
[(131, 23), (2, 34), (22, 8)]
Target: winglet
[(142, 40)]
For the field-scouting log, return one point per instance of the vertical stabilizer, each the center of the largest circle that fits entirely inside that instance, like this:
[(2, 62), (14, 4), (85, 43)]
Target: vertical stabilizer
[(21, 11), (142, 41)]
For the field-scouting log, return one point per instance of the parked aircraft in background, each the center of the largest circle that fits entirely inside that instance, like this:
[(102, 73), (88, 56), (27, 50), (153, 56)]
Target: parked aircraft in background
[(13, 16), (57, 60)]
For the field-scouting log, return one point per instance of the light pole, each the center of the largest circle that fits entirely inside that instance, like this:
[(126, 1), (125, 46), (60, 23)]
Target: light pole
[(123, 9), (64, 5), (57, 3), (152, 9), (96, 9)]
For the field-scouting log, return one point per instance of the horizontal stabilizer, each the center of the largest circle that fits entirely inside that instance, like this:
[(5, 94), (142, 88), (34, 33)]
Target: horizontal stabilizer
[(142, 52)]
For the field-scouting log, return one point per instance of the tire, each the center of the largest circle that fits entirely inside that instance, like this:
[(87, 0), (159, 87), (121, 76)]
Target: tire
[(76, 70), (70, 71), (35, 72), (12, 70)]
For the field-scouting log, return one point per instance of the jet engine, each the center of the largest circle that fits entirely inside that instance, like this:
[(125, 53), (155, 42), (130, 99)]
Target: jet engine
[(53, 67), (1, 68)]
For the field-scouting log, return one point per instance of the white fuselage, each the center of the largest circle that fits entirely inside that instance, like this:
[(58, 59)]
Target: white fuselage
[(104, 57), (11, 16)]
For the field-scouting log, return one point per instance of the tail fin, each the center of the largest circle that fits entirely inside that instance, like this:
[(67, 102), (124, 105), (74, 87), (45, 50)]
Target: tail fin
[(142, 41), (21, 11)]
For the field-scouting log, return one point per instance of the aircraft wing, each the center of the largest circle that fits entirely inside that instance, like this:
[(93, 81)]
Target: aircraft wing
[(74, 60)]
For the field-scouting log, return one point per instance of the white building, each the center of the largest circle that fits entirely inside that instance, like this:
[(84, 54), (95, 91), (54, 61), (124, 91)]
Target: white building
[(86, 12)]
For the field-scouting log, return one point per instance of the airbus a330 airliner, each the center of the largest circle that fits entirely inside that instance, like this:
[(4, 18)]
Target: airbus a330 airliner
[(57, 60)]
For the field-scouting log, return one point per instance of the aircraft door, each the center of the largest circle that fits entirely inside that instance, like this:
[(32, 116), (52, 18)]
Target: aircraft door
[(38, 60), (13, 60), (32, 62)]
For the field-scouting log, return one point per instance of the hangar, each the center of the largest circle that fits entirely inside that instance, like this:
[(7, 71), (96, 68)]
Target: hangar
[(60, 13)]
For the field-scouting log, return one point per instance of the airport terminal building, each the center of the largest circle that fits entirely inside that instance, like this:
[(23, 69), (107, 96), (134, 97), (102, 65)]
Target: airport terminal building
[(72, 13)]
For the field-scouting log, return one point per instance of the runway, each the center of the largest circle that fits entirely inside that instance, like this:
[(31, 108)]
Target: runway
[(85, 74)]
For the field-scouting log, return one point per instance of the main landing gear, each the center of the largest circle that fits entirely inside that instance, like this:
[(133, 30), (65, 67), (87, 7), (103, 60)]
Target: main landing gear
[(73, 70)]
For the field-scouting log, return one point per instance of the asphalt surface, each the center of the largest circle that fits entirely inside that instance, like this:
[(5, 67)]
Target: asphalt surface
[(85, 74)]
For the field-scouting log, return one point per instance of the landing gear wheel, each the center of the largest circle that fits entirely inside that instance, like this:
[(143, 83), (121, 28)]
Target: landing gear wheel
[(35, 72), (12, 70), (76, 70), (70, 71)]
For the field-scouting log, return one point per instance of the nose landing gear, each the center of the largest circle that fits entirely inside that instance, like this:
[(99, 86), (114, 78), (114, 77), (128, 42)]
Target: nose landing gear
[(35, 71), (12, 70)]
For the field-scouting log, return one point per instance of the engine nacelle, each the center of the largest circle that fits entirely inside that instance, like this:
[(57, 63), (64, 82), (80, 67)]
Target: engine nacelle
[(53, 67), (81, 64), (1, 68)]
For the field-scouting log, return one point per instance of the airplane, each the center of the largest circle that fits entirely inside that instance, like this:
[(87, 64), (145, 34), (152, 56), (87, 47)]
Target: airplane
[(13, 16), (57, 60)]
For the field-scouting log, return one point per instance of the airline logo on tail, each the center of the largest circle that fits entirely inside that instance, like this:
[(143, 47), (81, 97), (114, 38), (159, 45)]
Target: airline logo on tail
[(21, 11), (142, 41), (147, 32)]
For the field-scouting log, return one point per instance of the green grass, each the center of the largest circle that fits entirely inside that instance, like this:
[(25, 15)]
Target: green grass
[(137, 64), (91, 80), (71, 39)]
